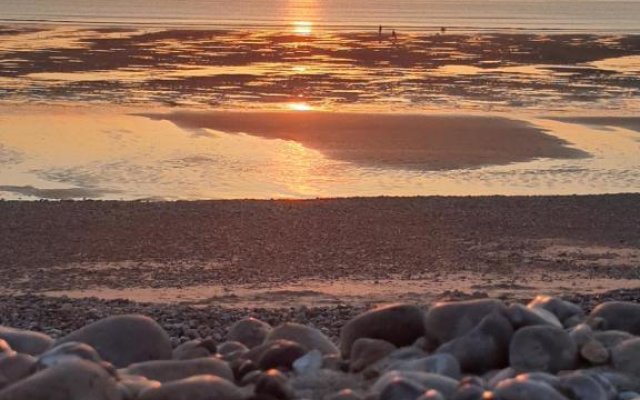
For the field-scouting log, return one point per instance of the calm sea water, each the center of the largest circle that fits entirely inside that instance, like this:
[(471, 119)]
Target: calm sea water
[(572, 15)]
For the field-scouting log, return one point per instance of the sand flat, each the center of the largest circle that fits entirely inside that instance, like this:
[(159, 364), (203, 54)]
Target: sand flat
[(407, 141)]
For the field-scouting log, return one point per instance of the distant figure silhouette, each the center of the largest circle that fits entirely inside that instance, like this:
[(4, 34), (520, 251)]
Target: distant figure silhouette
[(443, 30), (394, 36), (380, 33)]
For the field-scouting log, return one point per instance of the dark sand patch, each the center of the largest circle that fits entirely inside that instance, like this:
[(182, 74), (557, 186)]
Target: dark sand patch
[(409, 141)]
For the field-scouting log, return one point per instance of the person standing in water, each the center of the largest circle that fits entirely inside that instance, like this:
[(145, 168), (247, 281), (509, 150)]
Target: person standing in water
[(380, 33), (394, 36)]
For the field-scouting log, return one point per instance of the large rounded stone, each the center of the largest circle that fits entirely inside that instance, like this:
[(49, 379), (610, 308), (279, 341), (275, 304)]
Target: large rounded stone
[(483, 348), (594, 352), (231, 351), (563, 310), (516, 389), (28, 342), (5, 349), (281, 354), (73, 380), (400, 389), (521, 316), (203, 387), (618, 315), (581, 387), (174, 370), (442, 364), (425, 381), (365, 352), (447, 321), (542, 348), (16, 367), (610, 339), (345, 394), (273, 383), (66, 352), (310, 338), (124, 340), (197, 348), (249, 331), (399, 324), (626, 357)]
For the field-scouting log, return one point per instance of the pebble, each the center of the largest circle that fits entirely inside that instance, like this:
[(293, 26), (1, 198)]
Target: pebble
[(517, 389), (66, 352), (28, 342), (484, 347), (309, 338), (399, 324), (625, 357), (542, 348), (173, 370), (274, 383), (203, 387), (521, 316), (231, 351), (562, 309), (16, 367), (281, 354), (197, 348), (425, 381), (618, 315), (449, 320), (73, 380), (124, 340), (249, 331), (365, 352), (505, 353)]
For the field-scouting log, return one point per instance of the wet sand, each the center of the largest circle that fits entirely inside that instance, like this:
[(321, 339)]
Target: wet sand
[(257, 69), (321, 252), (406, 141)]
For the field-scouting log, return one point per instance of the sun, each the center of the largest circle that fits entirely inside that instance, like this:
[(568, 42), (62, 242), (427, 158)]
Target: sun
[(303, 28), (299, 107)]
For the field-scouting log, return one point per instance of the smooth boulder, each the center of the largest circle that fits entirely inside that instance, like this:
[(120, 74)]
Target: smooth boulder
[(521, 316), (310, 338), (73, 380), (399, 324), (203, 387), (174, 370), (542, 348), (28, 342), (625, 357), (196, 348), (426, 381), (365, 352), (618, 315), (562, 309), (518, 389), (16, 367), (124, 340), (449, 320), (484, 348), (249, 331)]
